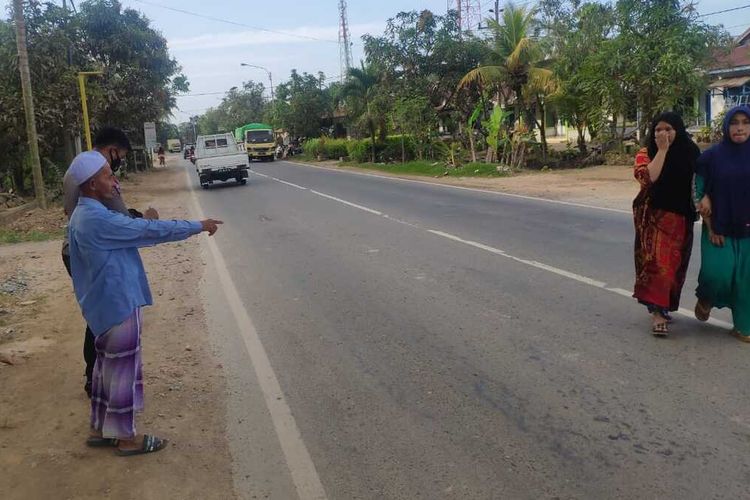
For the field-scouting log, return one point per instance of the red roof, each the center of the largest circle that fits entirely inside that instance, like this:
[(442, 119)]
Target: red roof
[(738, 57)]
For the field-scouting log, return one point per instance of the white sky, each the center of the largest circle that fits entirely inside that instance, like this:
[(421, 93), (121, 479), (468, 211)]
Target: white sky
[(210, 51)]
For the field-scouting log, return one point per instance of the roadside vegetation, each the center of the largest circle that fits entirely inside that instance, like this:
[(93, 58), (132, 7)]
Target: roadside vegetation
[(19, 236), (428, 92), (425, 92)]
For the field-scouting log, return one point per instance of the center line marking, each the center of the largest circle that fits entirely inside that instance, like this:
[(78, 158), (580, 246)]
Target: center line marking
[(562, 272), (370, 210), (464, 188), (290, 184), (531, 263)]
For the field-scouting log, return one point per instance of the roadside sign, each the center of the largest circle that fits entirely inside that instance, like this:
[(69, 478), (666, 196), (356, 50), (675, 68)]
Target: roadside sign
[(149, 134)]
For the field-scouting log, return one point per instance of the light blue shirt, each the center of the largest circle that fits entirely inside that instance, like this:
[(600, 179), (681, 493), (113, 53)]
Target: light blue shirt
[(108, 275)]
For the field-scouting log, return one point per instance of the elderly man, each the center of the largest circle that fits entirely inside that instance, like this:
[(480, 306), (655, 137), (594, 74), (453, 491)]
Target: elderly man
[(111, 287), (114, 145)]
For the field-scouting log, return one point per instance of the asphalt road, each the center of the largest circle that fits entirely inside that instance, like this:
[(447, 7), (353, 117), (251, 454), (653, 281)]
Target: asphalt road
[(442, 343)]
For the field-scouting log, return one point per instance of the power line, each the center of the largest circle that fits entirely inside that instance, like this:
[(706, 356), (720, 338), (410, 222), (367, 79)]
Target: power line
[(201, 94), (725, 10), (234, 23)]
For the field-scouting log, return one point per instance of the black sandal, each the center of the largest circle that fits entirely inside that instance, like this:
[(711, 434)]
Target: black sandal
[(151, 444)]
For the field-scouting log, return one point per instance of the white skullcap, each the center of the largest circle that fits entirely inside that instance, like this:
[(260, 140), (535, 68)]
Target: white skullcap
[(85, 166)]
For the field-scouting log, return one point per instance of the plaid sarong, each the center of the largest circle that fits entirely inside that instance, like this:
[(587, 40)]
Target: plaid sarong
[(117, 383)]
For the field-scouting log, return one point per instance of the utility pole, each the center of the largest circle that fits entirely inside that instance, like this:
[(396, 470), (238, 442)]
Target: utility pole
[(84, 106), (28, 104), (345, 44)]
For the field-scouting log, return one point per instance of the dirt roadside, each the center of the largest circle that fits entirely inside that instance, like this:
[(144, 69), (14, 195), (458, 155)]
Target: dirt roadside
[(43, 409), (610, 186)]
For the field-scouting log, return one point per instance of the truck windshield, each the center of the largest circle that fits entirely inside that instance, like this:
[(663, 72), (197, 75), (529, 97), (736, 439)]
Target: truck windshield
[(256, 136)]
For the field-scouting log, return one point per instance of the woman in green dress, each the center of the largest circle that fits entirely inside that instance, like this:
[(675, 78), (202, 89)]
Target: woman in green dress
[(722, 184)]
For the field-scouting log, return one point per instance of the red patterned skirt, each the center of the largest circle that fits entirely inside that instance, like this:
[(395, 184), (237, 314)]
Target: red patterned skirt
[(663, 243)]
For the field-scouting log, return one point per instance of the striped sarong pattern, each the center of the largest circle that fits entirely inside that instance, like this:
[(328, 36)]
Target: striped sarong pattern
[(117, 382)]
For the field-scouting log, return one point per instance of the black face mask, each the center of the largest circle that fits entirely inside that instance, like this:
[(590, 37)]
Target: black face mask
[(114, 161)]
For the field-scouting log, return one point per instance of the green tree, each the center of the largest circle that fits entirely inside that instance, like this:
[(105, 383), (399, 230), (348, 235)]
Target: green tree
[(140, 78), (513, 59), (243, 105), (165, 131), (576, 32), (513, 70), (417, 118), (653, 59), (303, 105), (421, 54), (50, 32), (359, 90)]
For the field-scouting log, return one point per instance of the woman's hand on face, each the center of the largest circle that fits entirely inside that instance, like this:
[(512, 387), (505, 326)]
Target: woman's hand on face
[(704, 207), (662, 140)]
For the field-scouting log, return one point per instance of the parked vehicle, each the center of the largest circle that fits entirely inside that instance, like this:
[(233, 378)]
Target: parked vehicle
[(174, 146), (259, 140), (219, 158)]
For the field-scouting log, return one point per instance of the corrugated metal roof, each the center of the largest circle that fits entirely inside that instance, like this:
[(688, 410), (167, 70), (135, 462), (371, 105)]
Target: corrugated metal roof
[(729, 83)]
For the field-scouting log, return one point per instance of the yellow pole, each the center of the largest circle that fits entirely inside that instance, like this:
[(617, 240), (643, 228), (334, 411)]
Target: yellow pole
[(82, 87)]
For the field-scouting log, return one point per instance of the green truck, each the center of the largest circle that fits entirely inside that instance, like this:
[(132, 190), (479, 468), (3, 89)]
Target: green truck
[(259, 140)]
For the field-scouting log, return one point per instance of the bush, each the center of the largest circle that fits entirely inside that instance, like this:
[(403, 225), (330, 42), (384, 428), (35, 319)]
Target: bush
[(385, 152), (335, 149), (312, 148), (327, 149)]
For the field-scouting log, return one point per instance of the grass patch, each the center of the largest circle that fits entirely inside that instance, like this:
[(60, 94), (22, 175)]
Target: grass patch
[(8, 236), (433, 169)]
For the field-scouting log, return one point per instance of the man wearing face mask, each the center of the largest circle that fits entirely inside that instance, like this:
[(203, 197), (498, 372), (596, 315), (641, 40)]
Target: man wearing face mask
[(114, 145)]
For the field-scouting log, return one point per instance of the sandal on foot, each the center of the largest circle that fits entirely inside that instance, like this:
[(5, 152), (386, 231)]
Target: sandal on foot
[(660, 329), (702, 312), (738, 334), (151, 444), (99, 442)]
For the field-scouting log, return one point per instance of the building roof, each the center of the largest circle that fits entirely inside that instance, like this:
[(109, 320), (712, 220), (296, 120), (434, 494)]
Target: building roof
[(738, 57), (729, 83)]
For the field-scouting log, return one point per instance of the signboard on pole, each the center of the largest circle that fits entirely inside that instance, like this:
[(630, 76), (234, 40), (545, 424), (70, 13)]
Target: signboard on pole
[(149, 135)]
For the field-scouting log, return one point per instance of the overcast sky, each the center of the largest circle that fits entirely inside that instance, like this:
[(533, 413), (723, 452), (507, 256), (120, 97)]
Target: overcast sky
[(211, 51)]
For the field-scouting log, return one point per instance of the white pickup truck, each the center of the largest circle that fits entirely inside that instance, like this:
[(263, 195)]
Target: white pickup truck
[(219, 158)]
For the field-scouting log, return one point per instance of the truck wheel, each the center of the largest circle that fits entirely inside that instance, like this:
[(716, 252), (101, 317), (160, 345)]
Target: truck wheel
[(271, 158), (242, 181)]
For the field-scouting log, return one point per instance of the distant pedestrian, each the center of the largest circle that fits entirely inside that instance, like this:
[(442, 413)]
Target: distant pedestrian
[(664, 213), (160, 154), (114, 145), (722, 185), (111, 287)]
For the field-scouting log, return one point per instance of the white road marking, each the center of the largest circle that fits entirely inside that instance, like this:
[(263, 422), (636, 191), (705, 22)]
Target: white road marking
[(301, 467), (258, 173), (562, 272), (532, 263), (477, 190), (290, 184), (370, 210)]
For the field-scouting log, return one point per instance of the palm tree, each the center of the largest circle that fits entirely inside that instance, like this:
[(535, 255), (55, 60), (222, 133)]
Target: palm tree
[(513, 69), (360, 86)]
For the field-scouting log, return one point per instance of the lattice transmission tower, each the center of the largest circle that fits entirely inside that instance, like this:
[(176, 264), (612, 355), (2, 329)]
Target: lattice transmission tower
[(469, 14), (345, 44)]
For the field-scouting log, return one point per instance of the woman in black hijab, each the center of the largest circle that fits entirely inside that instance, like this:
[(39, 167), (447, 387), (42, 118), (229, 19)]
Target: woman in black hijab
[(664, 214)]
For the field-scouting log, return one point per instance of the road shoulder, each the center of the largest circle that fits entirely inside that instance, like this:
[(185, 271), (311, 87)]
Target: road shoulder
[(43, 409)]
